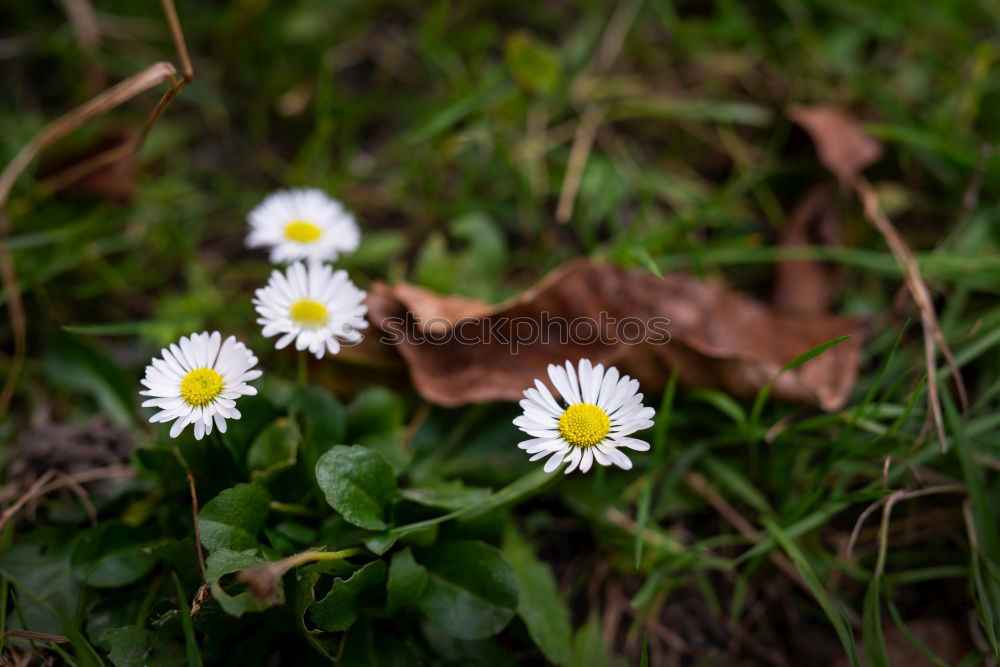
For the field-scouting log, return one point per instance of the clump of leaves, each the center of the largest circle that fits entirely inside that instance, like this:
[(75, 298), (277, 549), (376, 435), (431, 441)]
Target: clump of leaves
[(308, 542)]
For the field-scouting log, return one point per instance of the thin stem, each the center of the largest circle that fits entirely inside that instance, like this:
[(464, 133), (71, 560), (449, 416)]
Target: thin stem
[(263, 581), (310, 556), (230, 453), (292, 508), (303, 369), (197, 530)]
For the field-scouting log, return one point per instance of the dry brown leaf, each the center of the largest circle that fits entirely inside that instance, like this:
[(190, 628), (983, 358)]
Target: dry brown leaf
[(114, 181), (843, 147), (807, 286), (717, 337)]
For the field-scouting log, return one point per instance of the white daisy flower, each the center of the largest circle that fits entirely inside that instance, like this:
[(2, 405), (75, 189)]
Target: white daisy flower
[(302, 224), (197, 381), (603, 410), (312, 305)]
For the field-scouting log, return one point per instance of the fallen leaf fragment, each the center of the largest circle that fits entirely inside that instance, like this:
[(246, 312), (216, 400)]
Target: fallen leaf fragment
[(842, 146), (463, 351), (112, 180), (809, 286)]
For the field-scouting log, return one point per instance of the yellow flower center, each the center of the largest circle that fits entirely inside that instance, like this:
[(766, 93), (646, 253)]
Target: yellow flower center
[(302, 231), (201, 386), (584, 425), (309, 314)]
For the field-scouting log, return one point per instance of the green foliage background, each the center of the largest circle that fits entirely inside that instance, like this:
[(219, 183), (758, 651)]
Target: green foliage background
[(447, 128)]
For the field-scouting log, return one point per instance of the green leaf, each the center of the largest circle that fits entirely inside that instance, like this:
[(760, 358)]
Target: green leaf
[(232, 519), (274, 449), (187, 626), (338, 610), (162, 463), (111, 555), (376, 419), (536, 66), (258, 412), (871, 628), (135, 646), (589, 649), (539, 604), (375, 410), (224, 562), (370, 643), (471, 591), (812, 581), (81, 366), (301, 598), (522, 487), (765, 391), (40, 569), (449, 496), (142, 328), (659, 452), (322, 421), (359, 483), (380, 543), (407, 580)]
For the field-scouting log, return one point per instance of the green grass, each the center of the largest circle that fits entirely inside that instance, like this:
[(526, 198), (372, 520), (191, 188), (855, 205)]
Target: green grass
[(447, 128)]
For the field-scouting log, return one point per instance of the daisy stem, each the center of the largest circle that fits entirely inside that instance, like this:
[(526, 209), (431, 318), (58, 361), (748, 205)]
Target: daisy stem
[(224, 444), (303, 369)]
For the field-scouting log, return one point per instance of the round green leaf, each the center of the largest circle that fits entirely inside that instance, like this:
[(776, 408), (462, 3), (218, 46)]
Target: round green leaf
[(135, 646), (223, 562), (274, 449), (322, 421), (232, 519), (357, 482), (339, 608), (407, 580), (539, 604), (471, 591)]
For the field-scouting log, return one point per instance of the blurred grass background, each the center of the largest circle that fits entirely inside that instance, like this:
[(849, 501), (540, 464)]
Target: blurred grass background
[(448, 129)]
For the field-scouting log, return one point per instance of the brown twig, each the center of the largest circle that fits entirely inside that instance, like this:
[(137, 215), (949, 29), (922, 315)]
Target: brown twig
[(113, 97), (197, 531), (69, 176), (88, 36), (32, 492), (583, 141), (742, 526), (890, 500), (31, 635), (614, 36), (933, 338), (117, 470), (418, 420), (80, 493), (18, 320), (43, 485)]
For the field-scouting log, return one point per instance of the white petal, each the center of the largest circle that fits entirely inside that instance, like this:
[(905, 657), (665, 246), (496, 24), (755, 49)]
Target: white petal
[(574, 382), (557, 374), (554, 461), (618, 458), (607, 387), (573, 459), (547, 398), (632, 443)]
